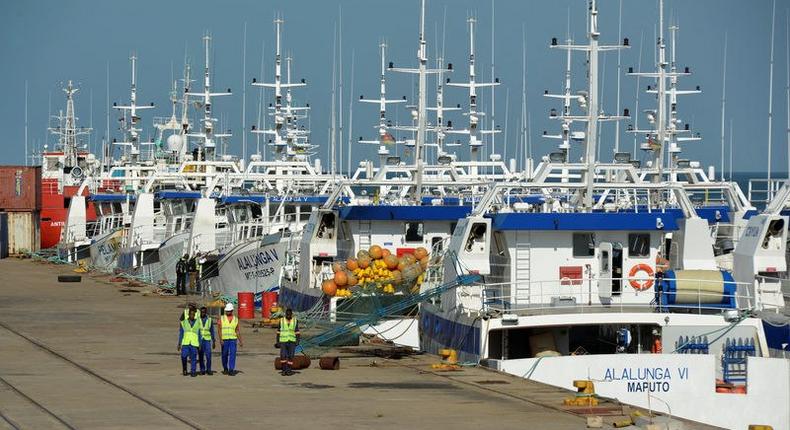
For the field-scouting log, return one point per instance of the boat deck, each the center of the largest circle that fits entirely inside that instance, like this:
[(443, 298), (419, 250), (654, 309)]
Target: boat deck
[(99, 354)]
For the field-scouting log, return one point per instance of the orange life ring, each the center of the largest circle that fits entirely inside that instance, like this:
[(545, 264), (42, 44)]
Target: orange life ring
[(647, 283)]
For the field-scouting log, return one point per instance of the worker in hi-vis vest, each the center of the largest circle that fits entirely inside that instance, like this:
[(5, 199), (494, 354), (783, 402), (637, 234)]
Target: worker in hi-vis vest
[(189, 340), (288, 336), (207, 342), (228, 327)]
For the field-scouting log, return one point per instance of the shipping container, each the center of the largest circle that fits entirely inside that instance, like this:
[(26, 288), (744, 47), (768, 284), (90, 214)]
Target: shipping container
[(23, 232), (3, 235), (20, 188)]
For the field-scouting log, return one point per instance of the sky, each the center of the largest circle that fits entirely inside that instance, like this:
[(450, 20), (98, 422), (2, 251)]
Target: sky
[(45, 43)]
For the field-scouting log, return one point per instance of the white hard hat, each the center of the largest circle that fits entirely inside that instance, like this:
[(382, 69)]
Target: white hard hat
[(229, 307)]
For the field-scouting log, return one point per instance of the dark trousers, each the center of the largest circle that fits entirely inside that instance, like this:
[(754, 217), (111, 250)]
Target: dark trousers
[(204, 355), (287, 351), (181, 283)]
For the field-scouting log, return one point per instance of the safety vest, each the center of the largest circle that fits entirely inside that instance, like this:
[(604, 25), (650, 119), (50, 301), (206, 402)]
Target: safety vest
[(229, 327), (287, 330), (205, 330), (191, 333), (186, 314)]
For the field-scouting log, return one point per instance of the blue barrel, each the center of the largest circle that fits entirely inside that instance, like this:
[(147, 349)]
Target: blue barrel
[(678, 288)]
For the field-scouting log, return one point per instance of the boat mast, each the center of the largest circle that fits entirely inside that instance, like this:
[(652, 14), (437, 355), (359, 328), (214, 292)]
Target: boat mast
[(473, 130), (422, 71), (565, 118), (67, 130), (131, 129), (771, 98), (384, 137), (723, 102), (422, 57), (665, 120), (660, 117), (590, 101), (287, 146), (207, 151)]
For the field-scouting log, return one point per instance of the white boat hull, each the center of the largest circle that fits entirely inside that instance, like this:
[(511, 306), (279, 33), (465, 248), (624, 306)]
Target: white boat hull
[(682, 385), (253, 266), (104, 250)]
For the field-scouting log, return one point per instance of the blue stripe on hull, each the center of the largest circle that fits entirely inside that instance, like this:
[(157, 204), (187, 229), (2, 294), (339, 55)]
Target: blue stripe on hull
[(777, 334), (297, 301), (437, 332)]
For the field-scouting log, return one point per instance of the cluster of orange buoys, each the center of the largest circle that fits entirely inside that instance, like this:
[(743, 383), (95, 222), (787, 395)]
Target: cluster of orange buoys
[(377, 268)]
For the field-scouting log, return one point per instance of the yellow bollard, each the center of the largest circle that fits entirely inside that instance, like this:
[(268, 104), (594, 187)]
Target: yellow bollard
[(585, 394), (449, 360)]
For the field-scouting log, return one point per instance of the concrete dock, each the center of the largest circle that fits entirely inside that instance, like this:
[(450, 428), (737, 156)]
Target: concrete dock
[(98, 354)]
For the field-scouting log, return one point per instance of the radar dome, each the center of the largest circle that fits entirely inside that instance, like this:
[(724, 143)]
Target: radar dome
[(174, 142)]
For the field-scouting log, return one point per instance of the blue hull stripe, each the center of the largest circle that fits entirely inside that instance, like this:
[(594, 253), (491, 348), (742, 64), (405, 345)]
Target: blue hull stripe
[(776, 335), (585, 221), (405, 213), (297, 301), (451, 334)]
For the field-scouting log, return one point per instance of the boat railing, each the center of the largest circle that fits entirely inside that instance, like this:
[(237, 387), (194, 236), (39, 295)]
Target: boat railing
[(159, 232), (727, 231), (223, 238), (243, 231), (762, 190), (583, 295), (69, 233)]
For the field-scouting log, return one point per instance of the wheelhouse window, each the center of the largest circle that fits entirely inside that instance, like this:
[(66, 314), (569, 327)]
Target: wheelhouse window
[(583, 245), (477, 235), (414, 232), (638, 245)]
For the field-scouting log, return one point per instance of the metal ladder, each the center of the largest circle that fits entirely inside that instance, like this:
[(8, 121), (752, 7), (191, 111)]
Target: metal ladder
[(364, 234), (522, 263)]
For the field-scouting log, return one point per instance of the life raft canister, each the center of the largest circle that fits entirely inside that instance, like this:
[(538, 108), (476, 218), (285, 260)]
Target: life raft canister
[(643, 285)]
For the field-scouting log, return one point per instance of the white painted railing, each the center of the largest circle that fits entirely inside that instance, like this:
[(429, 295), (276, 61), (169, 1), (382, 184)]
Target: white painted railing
[(582, 295)]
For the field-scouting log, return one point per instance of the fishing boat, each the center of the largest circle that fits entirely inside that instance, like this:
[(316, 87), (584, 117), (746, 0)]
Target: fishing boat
[(62, 171), (271, 202), (370, 242), (604, 278)]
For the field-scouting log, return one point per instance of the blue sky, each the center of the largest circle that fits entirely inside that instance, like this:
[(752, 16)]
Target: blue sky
[(48, 42)]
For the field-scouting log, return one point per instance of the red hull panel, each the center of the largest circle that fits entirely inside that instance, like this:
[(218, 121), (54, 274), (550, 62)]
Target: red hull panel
[(54, 209)]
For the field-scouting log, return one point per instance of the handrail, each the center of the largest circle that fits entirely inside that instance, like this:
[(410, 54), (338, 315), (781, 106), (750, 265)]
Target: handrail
[(585, 296)]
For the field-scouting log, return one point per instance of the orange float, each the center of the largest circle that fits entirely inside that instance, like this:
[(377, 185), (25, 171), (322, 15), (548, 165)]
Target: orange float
[(363, 262), (341, 279), (329, 287), (391, 261)]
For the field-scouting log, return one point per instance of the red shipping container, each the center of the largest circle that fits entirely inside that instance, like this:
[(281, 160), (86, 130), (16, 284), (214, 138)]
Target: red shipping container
[(20, 188)]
